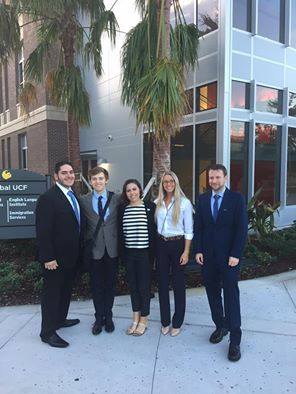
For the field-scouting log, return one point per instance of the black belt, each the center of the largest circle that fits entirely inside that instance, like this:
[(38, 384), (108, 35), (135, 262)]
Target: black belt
[(173, 238)]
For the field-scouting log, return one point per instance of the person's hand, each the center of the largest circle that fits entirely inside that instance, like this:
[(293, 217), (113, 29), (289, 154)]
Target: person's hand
[(51, 265), (184, 258), (199, 258), (233, 261)]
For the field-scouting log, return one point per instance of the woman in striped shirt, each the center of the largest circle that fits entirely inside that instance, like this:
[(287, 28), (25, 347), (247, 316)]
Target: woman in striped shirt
[(136, 244)]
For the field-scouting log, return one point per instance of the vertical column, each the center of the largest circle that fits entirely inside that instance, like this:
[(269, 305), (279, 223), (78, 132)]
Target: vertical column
[(224, 83)]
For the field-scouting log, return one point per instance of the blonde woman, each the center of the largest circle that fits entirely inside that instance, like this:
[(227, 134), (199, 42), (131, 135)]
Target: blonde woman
[(175, 231)]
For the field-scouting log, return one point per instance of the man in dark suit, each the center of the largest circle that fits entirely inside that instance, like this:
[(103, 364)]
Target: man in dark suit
[(220, 233), (104, 264), (58, 222)]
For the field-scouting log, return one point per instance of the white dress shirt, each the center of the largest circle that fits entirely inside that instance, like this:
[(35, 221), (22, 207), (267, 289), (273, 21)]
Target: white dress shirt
[(165, 224), (65, 191)]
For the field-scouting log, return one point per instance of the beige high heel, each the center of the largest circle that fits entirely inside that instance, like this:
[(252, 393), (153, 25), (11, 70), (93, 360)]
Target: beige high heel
[(165, 330), (141, 327), (175, 332), (132, 328)]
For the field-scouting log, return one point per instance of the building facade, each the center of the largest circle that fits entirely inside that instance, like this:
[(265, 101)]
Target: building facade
[(243, 104), (35, 142)]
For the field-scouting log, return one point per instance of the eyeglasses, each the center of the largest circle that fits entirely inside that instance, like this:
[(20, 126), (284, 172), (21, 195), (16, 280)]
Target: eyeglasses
[(168, 182)]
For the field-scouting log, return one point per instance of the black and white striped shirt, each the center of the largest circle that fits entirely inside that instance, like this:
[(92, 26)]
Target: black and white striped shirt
[(135, 227)]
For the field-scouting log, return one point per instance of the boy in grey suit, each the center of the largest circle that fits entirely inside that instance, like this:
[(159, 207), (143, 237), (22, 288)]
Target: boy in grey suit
[(103, 269)]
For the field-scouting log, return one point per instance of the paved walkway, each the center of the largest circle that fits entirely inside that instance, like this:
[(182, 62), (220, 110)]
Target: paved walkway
[(117, 363)]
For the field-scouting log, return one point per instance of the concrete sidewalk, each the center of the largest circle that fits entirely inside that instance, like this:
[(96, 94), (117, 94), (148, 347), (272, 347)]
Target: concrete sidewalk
[(189, 363)]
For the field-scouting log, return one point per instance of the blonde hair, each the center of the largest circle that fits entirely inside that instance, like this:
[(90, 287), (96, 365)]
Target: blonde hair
[(177, 194)]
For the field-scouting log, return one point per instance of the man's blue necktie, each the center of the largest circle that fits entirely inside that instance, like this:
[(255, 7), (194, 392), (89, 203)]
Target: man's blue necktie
[(216, 206), (75, 205)]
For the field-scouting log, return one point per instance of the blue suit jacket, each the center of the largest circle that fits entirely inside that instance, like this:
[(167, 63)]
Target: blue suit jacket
[(227, 236)]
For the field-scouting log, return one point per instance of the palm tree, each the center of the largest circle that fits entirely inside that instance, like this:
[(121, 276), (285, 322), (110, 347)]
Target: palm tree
[(58, 25), (155, 57)]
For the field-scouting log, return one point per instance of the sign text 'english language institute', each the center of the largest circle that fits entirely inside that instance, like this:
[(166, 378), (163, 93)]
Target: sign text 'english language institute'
[(19, 192)]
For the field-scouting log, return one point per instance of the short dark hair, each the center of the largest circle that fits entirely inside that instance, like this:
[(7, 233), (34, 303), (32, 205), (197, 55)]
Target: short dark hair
[(124, 199), (217, 167), (60, 164), (97, 170)]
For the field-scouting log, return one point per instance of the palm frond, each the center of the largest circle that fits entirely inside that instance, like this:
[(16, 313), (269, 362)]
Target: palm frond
[(161, 100), (184, 45), (67, 90), (35, 63), (27, 98), (9, 32)]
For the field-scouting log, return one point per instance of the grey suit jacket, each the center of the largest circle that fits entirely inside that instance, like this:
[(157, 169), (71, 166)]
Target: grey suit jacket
[(107, 236)]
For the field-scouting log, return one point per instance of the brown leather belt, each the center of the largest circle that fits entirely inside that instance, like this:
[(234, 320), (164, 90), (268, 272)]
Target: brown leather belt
[(173, 238)]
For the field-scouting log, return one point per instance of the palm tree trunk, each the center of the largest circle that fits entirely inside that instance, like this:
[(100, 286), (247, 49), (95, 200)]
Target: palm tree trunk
[(73, 126), (162, 149)]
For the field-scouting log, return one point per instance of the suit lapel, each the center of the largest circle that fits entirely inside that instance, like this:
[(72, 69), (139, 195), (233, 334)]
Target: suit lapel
[(208, 206), (65, 201)]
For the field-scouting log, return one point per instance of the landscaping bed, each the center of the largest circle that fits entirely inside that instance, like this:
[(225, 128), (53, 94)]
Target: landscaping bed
[(20, 279)]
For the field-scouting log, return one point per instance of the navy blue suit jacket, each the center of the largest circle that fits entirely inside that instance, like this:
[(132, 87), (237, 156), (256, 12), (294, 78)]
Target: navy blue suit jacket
[(227, 236)]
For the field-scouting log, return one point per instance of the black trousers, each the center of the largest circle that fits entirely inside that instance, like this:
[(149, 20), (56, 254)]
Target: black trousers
[(55, 298), (220, 276), (138, 276), (168, 259), (103, 276)]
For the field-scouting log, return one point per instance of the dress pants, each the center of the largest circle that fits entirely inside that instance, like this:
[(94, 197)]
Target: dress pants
[(55, 299), (138, 276), (218, 276), (168, 258), (103, 276)]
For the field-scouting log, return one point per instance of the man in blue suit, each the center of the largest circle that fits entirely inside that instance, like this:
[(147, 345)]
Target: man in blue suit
[(221, 228)]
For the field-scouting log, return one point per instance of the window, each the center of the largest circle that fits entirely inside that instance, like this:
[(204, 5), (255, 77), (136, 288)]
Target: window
[(205, 148), (207, 16), (1, 94), (8, 152), (3, 152), (292, 104), (293, 24), (291, 168), (187, 9), (269, 100), (206, 97), (242, 14), (182, 158), (240, 95), (271, 19), (6, 95), (23, 151), (267, 161), (239, 156), (189, 95), (19, 72)]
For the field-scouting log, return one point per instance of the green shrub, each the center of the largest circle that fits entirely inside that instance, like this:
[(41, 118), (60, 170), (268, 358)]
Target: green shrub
[(10, 280)]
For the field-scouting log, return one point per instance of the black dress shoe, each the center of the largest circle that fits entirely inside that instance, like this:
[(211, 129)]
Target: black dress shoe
[(234, 353), (69, 323), (109, 325), (55, 341), (218, 335), (96, 328)]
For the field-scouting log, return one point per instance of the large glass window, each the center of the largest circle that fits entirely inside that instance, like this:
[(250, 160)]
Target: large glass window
[(269, 100), (271, 19), (187, 9), (240, 95), (242, 14), (207, 16), (267, 161), (23, 151), (293, 23), (205, 140), (182, 158), (292, 104), (239, 156), (206, 97), (291, 168), (189, 95)]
